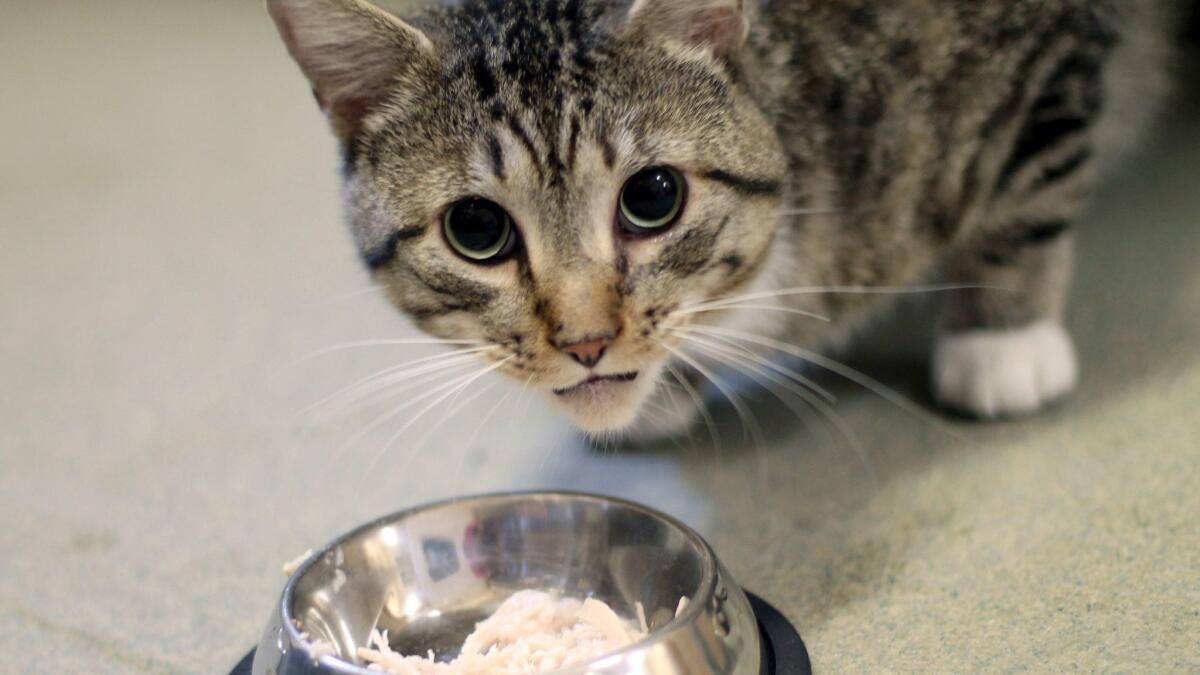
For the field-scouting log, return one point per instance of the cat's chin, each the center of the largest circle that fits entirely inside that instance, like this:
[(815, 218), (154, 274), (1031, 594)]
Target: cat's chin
[(607, 405)]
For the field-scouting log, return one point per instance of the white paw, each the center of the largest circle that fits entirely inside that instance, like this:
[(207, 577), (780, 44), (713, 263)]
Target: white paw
[(1007, 373)]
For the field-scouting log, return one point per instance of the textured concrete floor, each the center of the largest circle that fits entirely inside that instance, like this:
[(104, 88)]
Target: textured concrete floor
[(170, 244)]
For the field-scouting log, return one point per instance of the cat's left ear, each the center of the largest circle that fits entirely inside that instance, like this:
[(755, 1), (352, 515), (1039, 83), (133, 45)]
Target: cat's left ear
[(718, 26), (352, 52)]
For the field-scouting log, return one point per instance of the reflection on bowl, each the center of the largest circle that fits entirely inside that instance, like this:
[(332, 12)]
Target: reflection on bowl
[(428, 575)]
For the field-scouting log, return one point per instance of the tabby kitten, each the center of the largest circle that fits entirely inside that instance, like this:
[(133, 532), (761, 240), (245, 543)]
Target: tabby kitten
[(601, 191)]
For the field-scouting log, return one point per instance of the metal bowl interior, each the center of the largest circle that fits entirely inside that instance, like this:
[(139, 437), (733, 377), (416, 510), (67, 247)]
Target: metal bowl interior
[(428, 575)]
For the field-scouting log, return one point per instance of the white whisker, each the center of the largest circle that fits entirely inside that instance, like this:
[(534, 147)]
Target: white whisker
[(749, 421), (398, 373), (658, 419), (769, 308), (698, 400), (455, 406), (384, 390), (836, 290), (811, 386), (674, 406), (855, 376), (391, 414), (351, 295), (555, 451), (808, 212), (824, 407), (462, 458), (526, 397), (655, 420), (359, 344), (740, 356), (471, 379)]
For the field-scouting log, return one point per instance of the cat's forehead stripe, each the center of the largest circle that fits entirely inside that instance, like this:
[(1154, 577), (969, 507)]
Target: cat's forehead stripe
[(573, 143), (523, 137), (382, 255), (496, 157), (754, 187)]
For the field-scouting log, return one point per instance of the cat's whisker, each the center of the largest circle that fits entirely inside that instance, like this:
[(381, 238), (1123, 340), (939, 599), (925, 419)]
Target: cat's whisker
[(750, 423), (733, 358), (835, 290), (655, 420), (386, 385), (740, 358), (521, 401), (671, 396), (549, 451), (391, 342), (399, 372), (455, 407), (526, 396), (525, 386), (397, 410), (824, 407), (455, 391), (862, 379), (745, 353), (401, 407), (385, 389), (558, 450), (808, 212), (655, 405), (652, 411), (475, 436), (763, 378), (352, 295), (698, 400), (766, 308), (659, 419)]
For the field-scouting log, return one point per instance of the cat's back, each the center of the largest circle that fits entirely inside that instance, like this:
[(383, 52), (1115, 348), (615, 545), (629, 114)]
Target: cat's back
[(856, 79), (933, 39)]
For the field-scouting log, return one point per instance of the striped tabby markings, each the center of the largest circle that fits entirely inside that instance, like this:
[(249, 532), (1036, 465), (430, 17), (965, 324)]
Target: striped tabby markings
[(1004, 249), (754, 187), (383, 255)]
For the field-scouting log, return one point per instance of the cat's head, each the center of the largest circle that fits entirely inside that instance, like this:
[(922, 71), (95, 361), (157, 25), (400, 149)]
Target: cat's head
[(552, 177)]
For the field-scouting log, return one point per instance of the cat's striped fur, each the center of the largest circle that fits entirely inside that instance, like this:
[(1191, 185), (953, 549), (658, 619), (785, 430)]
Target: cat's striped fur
[(849, 143)]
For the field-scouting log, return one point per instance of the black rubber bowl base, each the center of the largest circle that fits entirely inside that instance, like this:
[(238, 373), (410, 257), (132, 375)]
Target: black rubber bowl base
[(783, 650)]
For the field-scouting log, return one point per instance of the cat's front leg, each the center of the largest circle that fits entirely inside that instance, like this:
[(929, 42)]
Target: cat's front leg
[(1003, 350)]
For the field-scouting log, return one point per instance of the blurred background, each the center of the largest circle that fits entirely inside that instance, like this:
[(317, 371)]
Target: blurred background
[(171, 250)]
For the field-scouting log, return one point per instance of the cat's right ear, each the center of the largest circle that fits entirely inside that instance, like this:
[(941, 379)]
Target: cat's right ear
[(351, 52), (719, 27)]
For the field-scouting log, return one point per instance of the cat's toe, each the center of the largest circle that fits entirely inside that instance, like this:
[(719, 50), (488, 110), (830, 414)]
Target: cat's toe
[(992, 374)]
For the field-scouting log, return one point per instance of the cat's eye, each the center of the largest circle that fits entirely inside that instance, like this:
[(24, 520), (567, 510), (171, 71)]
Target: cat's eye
[(480, 230), (651, 201)]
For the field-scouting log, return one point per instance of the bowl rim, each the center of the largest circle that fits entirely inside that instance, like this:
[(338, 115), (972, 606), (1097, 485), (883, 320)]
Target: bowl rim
[(689, 613)]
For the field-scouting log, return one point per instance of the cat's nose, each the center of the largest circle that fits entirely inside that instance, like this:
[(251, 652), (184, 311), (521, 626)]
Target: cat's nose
[(587, 353)]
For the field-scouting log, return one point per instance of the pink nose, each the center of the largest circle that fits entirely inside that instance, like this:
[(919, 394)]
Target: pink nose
[(587, 353)]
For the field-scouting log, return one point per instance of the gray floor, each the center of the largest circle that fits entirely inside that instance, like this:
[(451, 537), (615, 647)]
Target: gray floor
[(170, 245)]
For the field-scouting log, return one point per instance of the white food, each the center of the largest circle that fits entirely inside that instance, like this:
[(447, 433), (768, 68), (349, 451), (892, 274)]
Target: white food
[(531, 632), (290, 568)]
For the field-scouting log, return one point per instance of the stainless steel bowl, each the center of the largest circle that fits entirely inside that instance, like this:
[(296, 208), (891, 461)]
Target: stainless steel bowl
[(427, 575)]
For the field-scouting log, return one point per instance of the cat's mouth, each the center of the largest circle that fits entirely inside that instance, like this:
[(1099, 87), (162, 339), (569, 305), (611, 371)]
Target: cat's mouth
[(596, 382), (605, 403)]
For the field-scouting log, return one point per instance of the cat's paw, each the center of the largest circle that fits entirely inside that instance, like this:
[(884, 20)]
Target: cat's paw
[(993, 374)]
